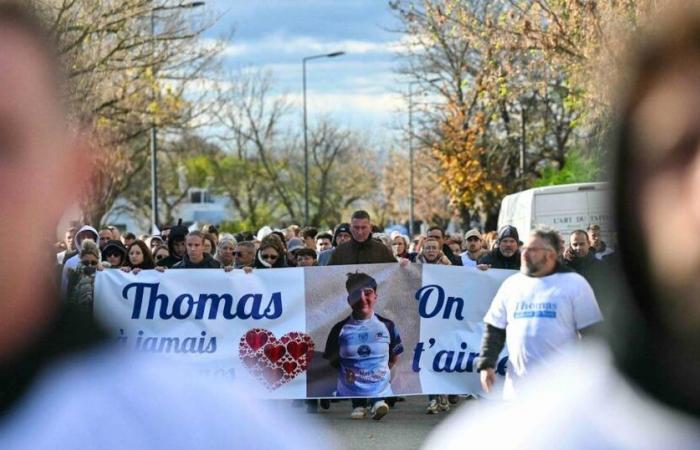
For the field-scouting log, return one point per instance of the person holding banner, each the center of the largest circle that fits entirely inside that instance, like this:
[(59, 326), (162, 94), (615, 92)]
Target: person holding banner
[(431, 254), (537, 313), (362, 248), (363, 348), (139, 258), (506, 255), (195, 256), (271, 254)]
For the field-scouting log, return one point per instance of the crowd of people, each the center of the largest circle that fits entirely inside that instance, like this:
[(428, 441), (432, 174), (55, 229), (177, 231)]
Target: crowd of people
[(63, 387), (88, 250), (85, 250)]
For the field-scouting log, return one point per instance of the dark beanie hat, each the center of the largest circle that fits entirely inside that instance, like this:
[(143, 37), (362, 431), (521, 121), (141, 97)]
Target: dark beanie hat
[(342, 228), (113, 246), (508, 231)]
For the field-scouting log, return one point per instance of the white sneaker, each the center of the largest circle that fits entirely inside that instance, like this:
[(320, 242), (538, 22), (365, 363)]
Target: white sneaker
[(432, 407), (379, 410), (443, 403), (358, 413)]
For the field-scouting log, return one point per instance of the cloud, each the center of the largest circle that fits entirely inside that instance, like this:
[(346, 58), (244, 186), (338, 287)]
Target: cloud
[(281, 44), (349, 103)]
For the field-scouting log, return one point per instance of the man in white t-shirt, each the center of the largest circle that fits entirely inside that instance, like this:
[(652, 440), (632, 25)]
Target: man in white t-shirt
[(537, 313), (475, 249)]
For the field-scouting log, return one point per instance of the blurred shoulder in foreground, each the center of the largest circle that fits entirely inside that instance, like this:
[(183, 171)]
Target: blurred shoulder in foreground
[(583, 403)]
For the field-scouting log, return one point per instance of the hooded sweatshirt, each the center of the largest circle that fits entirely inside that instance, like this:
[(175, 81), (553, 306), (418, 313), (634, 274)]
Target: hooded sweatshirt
[(73, 261), (178, 232)]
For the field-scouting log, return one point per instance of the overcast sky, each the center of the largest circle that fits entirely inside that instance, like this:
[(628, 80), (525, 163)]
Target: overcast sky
[(358, 89)]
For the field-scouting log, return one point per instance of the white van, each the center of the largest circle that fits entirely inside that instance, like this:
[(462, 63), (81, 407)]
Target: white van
[(565, 208)]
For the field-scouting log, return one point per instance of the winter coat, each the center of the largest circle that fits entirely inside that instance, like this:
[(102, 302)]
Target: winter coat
[(81, 287), (590, 268), (258, 263), (370, 251), (497, 261), (207, 263)]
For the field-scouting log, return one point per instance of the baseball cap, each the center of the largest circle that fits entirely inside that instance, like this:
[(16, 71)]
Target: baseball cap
[(472, 233)]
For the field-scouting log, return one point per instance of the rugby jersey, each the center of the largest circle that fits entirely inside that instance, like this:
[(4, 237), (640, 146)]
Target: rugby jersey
[(360, 350)]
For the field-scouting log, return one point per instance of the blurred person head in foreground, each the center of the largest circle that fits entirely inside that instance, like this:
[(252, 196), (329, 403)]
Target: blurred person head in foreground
[(643, 393), (53, 369)]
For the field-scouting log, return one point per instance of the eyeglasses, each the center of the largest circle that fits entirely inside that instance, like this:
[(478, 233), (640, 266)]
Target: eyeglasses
[(268, 256), (536, 249)]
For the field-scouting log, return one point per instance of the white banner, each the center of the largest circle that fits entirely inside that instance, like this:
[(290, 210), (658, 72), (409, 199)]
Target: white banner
[(271, 328)]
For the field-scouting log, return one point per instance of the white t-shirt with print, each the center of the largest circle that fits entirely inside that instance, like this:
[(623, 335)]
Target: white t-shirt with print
[(541, 316)]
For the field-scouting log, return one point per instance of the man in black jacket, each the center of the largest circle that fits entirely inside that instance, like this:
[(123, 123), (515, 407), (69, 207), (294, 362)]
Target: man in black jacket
[(580, 258), (361, 249), (506, 255)]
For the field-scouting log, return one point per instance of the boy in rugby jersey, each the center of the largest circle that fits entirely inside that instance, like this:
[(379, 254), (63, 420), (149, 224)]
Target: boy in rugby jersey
[(364, 347)]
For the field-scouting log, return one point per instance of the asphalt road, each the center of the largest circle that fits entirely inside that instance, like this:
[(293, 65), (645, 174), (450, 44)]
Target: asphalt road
[(405, 427)]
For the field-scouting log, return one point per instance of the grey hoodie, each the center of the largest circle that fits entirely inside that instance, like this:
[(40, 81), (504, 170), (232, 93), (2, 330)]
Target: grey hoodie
[(72, 262)]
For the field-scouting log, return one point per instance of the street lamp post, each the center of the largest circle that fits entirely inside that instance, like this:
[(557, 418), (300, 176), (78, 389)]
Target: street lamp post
[(306, 143), (154, 126), (411, 197)]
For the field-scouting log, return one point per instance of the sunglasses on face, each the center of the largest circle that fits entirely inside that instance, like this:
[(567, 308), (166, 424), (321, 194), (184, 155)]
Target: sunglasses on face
[(89, 263), (113, 255), (267, 256)]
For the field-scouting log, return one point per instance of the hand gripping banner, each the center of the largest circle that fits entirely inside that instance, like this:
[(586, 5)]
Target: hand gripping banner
[(346, 331)]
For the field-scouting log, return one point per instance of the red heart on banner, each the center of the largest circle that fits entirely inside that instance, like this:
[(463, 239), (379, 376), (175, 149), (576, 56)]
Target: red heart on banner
[(274, 352), (297, 349), (289, 367), (256, 338), (273, 361)]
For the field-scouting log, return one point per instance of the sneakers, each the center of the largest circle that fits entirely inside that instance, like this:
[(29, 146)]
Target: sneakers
[(358, 413), (443, 403), (432, 407), (379, 410)]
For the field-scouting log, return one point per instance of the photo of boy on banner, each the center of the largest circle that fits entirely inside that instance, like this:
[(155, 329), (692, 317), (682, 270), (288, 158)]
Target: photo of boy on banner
[(364, 346)]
